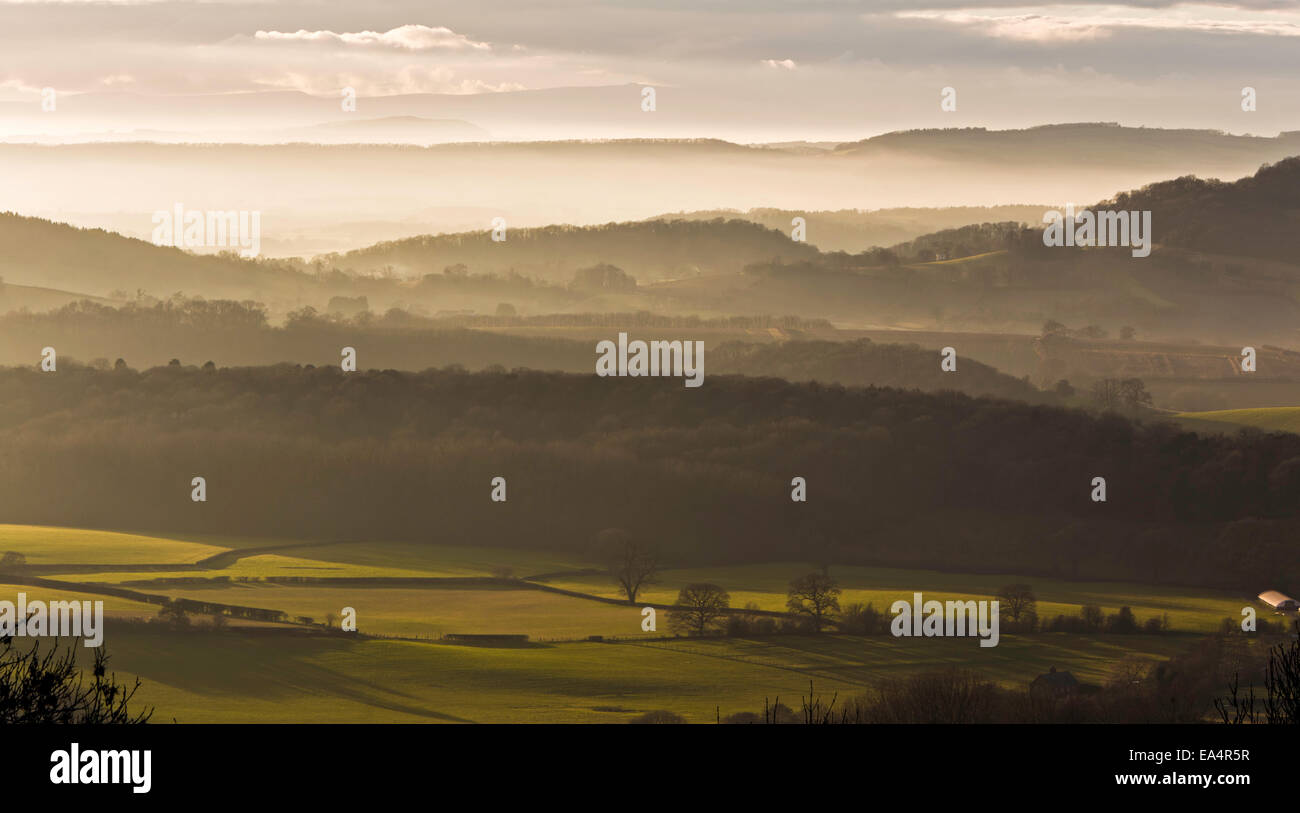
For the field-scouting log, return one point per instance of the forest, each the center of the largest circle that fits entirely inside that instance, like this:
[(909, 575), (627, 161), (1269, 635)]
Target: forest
[(904, 478)]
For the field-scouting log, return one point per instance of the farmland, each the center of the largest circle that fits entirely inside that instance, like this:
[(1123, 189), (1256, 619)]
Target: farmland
[(229, 677), (408, 596), (304, 581), (43, 545), (1269, 419)]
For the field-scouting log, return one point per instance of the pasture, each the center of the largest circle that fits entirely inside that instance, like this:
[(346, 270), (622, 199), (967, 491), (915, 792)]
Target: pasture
[(1268, 419), (292, 673), (48, 546), (203, 677)]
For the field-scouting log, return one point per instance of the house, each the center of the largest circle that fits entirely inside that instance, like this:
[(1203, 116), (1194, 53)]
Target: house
[(1278, 601), (1054, 683)]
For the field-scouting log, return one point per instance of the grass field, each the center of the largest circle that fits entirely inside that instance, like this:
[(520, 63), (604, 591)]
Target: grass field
[(42, 546), (288, 674), (113, 606), (444, 560), (204, 677), (259, 566), (1269, 419), (431, 613)]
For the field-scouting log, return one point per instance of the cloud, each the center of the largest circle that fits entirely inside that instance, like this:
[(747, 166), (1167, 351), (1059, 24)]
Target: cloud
[(788, 64), (410, 79), (1078, 23), (405, 37)]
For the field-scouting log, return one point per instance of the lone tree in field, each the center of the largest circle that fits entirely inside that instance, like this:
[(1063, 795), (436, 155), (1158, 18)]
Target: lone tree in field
[(698, 607), (1017, 602), (629, 563), (1133, 394), (815, 596), (1114, 394), (50, 688)]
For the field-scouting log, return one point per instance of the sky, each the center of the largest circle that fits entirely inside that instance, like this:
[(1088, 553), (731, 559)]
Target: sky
[(758, 70)]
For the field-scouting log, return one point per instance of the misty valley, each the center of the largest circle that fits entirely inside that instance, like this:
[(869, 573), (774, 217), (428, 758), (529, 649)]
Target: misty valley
[(352, 371)]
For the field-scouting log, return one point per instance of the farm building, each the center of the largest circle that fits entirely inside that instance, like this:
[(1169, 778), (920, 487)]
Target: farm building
[(1054, 683), (1279, 601)]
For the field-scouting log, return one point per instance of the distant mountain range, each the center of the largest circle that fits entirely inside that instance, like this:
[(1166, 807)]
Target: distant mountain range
[(413, 130), (309, 194), (1084, 147)]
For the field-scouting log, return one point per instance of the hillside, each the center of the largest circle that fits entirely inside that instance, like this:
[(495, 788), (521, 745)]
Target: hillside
[(1256, 216), (1224, 270), (38, 252), (649, 250), (34, 298), (853, 230)]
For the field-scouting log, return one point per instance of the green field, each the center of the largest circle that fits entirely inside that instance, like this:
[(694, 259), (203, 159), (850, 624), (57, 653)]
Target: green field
[(113, 605), (445, 560), (228, 677), (432, 612), (292, 673), (258, 566), (1269, 419), (42, 546)]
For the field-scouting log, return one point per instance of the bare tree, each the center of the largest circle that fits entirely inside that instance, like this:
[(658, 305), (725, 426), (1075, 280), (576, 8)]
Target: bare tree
[(1281, 701), (629, 563), (1105, 394), (1282, 682), (698, 607), (815, 596), (1236, 708), (50, 688), (1017, 602)]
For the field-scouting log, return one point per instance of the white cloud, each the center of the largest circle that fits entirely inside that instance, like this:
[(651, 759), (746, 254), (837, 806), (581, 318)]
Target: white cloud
[(1058, 23), (788, 64), (406, 37)]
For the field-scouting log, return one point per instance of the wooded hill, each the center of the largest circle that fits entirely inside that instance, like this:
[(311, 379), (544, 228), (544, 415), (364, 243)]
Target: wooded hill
[(902, 478)]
